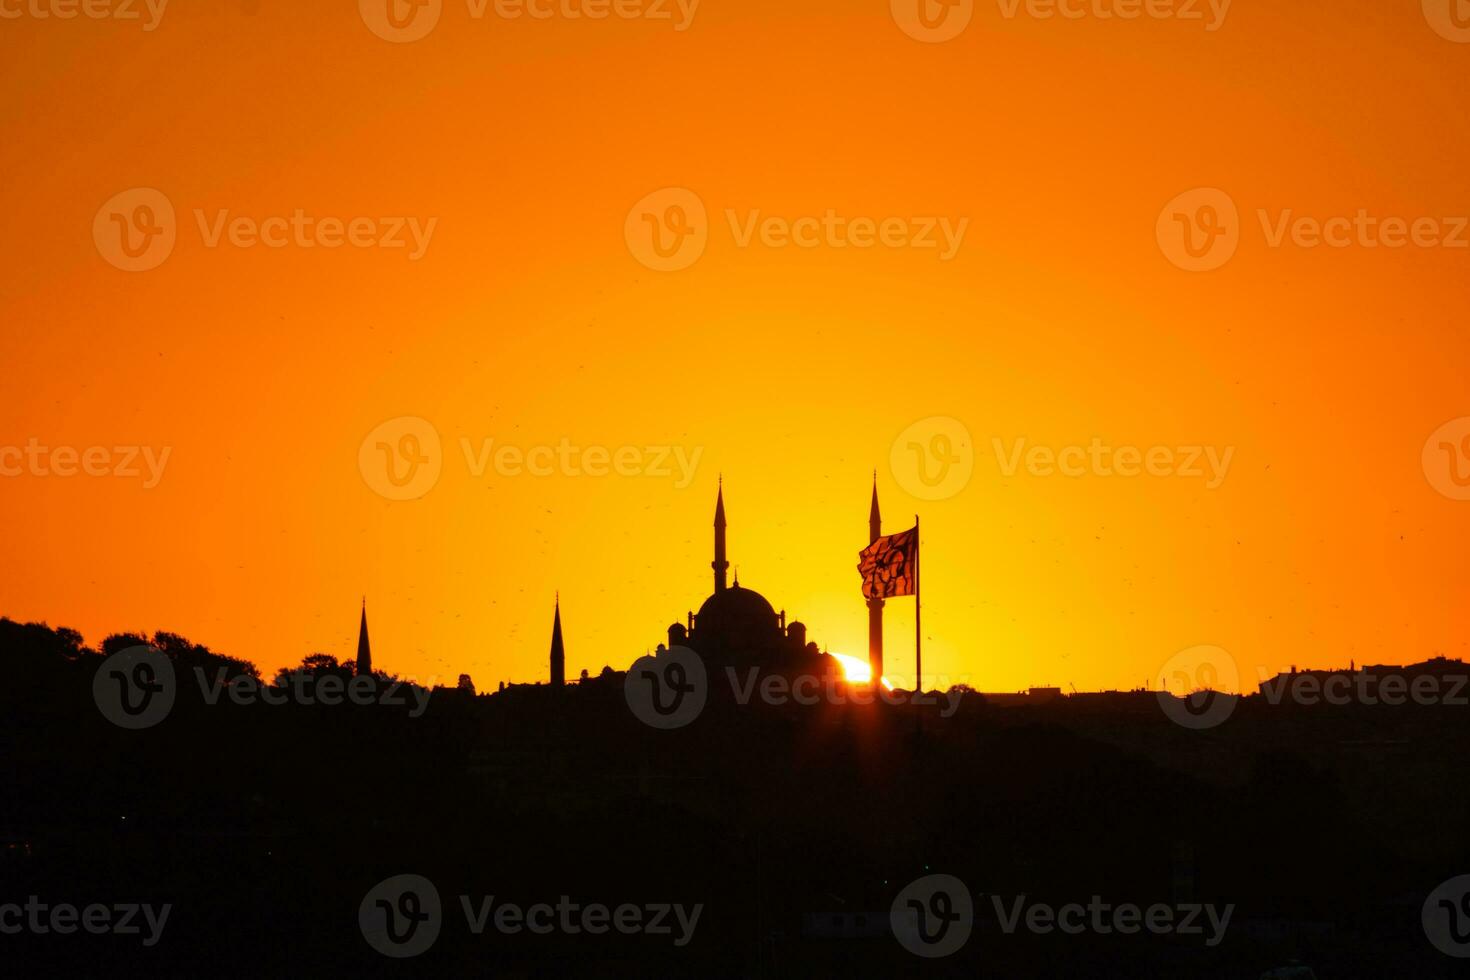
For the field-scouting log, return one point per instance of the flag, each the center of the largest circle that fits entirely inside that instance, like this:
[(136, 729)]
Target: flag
[(888, 565)]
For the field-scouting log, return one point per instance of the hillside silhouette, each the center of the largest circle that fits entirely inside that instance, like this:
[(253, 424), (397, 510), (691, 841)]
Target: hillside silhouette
[(794, 826)]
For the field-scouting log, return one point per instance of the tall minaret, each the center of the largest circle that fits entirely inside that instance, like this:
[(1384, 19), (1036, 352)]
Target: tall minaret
[(364, 650), (558, 652), (875, 606), (720, 564)]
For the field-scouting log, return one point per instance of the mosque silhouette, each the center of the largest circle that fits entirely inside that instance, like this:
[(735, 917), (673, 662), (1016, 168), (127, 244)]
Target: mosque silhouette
[(738, 627)]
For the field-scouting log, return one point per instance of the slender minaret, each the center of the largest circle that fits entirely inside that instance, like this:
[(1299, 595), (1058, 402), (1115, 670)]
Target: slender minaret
[(720, 564), (875, 606), (364, 650), (558, 652)]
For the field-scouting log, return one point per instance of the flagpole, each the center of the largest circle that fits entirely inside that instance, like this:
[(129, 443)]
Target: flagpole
[(918, 632)]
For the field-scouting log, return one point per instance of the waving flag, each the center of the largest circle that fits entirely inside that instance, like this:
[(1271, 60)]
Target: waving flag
[(889, 565)]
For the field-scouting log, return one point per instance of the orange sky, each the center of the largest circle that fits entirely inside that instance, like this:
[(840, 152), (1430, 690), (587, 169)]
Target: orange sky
[(528, 320)]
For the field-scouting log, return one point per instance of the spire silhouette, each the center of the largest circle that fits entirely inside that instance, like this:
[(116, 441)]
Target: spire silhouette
[(875, 519), (875, 606), (364, 649), (720, 564), (558, 650)]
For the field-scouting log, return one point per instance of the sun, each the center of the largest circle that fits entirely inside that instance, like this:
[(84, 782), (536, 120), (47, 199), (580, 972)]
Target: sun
[(857, 670)]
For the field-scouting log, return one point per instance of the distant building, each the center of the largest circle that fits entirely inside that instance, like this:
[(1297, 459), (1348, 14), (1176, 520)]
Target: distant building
[(1030, 696), (1438, 679), (739, 627)]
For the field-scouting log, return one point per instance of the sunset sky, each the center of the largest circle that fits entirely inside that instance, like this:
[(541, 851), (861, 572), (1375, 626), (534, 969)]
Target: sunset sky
[(526, 150)]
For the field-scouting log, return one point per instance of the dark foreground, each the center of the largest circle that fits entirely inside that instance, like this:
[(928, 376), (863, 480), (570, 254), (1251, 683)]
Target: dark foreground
[(564, 837)]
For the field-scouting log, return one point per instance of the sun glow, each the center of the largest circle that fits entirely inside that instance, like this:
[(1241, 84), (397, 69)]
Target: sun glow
[(857, 670)]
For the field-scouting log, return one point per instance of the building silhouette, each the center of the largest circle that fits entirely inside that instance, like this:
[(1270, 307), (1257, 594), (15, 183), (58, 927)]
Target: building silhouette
[(738, 626), (1450, 677)]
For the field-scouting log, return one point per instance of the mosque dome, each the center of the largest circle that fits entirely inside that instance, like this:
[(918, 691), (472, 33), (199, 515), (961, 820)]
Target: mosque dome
[(736, 611)]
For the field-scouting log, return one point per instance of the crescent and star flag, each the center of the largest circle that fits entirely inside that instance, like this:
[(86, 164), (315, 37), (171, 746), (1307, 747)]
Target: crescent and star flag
[(888, 565)]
